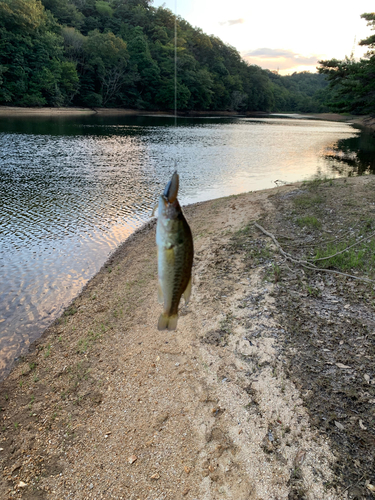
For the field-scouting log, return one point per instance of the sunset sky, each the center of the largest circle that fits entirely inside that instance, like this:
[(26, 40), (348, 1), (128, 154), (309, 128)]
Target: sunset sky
[(290, 35)]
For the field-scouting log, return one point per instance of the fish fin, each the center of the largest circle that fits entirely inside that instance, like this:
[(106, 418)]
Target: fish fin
[(167, 322), (160, 294), (187, 292), (156, 206)]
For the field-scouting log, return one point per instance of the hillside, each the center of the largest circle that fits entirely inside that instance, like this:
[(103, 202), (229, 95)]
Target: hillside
[(120, 53)]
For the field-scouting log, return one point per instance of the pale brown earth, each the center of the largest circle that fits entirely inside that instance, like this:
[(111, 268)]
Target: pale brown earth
[(10, 111), (107, 407)]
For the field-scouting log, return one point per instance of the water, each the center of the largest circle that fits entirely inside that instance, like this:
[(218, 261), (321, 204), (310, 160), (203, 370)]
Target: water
[(72, 189)]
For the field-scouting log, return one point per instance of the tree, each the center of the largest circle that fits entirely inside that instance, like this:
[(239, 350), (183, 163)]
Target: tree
[(31, 55), (107, 58), (352, 83)]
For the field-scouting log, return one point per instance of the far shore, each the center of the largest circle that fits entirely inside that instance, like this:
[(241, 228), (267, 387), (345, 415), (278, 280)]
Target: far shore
[(10, 111)]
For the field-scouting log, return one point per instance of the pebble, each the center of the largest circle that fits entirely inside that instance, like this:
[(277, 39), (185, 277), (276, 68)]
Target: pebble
[(339, 426), (132, 459)]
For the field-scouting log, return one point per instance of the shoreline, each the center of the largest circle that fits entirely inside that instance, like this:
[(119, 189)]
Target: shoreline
[(10, 111), (104, 405)]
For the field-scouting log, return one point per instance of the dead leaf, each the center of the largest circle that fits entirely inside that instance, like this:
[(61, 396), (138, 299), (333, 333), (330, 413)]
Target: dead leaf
[(371, 487), (132, 459), (339, 426), (299, 458), (362, 426), (344, 367)]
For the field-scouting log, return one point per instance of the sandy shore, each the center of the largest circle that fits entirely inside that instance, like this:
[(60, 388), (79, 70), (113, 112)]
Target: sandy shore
[(9, 111), (105, 406)]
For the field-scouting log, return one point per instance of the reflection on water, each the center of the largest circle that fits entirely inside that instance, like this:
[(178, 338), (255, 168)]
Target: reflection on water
[(353, 155), (72, 189)]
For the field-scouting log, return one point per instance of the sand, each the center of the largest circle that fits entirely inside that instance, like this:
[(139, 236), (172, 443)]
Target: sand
[(107, 407)]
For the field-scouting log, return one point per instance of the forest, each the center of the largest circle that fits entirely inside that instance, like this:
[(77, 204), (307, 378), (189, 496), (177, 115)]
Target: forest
[(352, 82), (120, 53)]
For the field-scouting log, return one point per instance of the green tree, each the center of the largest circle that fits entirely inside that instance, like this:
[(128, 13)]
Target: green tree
[(107, 58), (31, 55), (352, 83)]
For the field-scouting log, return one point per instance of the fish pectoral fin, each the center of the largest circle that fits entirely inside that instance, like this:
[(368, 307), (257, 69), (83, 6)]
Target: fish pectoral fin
[(160, 294), (187, 291)]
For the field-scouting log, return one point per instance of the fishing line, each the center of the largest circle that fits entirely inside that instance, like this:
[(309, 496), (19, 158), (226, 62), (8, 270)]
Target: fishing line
[(175, 63), (175, 81)]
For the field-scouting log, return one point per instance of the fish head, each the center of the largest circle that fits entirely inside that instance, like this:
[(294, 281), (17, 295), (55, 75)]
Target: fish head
[(171, 189), (168, 210)]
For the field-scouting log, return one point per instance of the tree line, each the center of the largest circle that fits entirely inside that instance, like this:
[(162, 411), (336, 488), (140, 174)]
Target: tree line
[(352, 82), (121, 53)]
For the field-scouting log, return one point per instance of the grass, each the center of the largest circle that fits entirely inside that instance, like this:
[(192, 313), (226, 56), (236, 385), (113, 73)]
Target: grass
[(316, 182), (225, 324), (85, 343), (307, 201), (313, 291), (309, 221), (48, 351), (361, 257), (71, 311)]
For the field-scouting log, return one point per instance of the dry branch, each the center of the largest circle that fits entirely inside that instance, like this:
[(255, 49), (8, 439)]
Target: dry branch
[(305, 264)]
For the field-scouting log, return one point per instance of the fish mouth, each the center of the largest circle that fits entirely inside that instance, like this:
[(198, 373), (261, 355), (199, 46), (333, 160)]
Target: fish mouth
[(171, 189)]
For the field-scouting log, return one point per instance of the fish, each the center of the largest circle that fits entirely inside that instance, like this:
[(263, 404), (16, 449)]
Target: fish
[(175, 251)]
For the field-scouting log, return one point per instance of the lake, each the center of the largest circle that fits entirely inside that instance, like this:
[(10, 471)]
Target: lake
[(73, 188)]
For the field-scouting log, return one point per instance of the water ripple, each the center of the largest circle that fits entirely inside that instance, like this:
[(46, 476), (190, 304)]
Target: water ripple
[(71, 191)]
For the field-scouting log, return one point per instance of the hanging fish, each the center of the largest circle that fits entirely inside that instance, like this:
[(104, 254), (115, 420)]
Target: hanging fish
[(175, 255)]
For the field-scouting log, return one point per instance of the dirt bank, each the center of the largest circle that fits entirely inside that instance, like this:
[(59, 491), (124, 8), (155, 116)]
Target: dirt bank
[(18, 111), (8, 111), (265, 391)]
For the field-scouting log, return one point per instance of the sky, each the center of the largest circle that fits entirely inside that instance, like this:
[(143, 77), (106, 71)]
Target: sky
[(284, 36)]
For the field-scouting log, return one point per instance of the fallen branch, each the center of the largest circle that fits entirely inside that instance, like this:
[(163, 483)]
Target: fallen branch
[(347, 248), (304, 263)]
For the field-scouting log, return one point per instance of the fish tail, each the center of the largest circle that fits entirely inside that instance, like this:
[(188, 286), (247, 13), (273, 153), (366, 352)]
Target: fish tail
[(167, 322)]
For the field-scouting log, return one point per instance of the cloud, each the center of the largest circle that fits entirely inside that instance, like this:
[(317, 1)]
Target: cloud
[(233, 22), (280, 59)]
